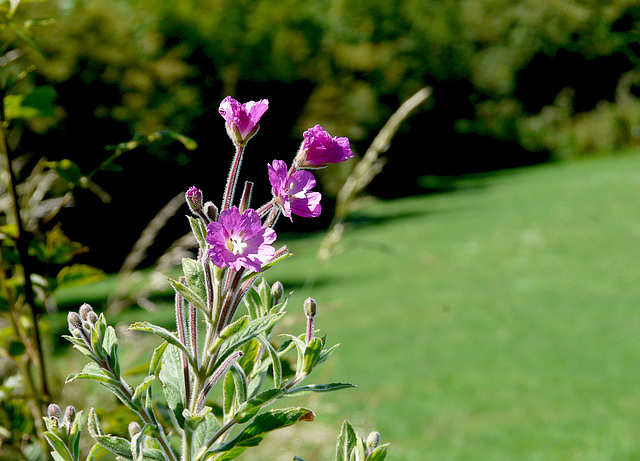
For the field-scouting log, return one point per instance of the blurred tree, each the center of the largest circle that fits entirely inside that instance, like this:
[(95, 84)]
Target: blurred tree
[(514, 82)]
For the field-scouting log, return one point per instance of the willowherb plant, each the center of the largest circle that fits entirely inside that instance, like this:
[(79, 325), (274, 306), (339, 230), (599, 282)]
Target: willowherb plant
[(235, 249)]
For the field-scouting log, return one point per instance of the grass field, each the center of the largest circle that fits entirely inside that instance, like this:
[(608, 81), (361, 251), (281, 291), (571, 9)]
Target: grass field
[(499, 321)]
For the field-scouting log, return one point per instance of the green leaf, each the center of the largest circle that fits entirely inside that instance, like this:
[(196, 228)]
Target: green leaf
[(300, 347), (156, 358), (110, 347), (250, 351), (276, 365), (327, 353), (205, 430), (240, 383), (190, 295), (93, 372), (68, 170), (58, 446), (194, 275), (42, 99), (346, 442), (116, 445), (136, 446), (92, 453), (199, 231), (56, 456), (379, 454), (311, 355), (265, 296), (166, 335), (360, 451), (153, 454), (172, 379), (251, 407), (253, 433), (78, 274), (229, 330), (311, 388), (228, 393), (80, 345), (75, 432), (143, 386), (253, 329), (15, 109), (252, 301)]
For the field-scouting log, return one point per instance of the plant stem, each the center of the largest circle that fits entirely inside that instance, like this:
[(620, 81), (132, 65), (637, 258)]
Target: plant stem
[(143, 412), (22, 247), (230, 188)]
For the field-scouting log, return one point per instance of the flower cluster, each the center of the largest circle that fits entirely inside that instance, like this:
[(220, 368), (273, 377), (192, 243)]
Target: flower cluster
[(235, 247), (239, 239)]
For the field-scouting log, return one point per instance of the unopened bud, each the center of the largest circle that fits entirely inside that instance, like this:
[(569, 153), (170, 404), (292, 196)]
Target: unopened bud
[(54, 411), (75, 322), (373, 440), (211, 211), (92, 318), (310, 307), (85, 310), (194, 199), (134, 428), (276, 291), (69, 414)]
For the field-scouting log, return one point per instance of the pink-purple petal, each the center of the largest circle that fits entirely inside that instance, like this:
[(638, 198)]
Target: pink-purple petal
[(320, 148), (247, 228)]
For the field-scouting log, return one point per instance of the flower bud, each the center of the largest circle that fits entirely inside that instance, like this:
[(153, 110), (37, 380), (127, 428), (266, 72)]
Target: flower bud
[(310, 307), (194, 199), (277, 291), (373, 440), (134, 428), (69, 415), (211, 211), (54, 411), (92, 318), (75, 322), (85, 310)]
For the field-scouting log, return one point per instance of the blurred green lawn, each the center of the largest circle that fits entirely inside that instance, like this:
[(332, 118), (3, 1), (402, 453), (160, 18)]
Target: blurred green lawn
[(499, 321)]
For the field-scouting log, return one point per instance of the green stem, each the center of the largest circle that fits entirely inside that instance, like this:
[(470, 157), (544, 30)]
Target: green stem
[(187, 444)]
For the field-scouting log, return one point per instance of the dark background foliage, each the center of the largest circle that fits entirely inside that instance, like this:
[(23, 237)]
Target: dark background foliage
[(515, 82)]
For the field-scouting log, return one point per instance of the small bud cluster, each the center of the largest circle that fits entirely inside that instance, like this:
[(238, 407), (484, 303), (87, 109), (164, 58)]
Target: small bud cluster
[(58, 424), (80, 325)]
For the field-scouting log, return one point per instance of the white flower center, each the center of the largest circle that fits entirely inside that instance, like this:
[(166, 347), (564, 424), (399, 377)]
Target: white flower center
[(236, 245), (300, 194)]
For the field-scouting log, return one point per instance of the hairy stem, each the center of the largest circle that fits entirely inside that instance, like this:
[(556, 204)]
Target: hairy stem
[(230, 188)]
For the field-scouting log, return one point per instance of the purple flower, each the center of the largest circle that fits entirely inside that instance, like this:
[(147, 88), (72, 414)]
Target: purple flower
[(292, 192), (240, 240), (242, 119), (319, 148)]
